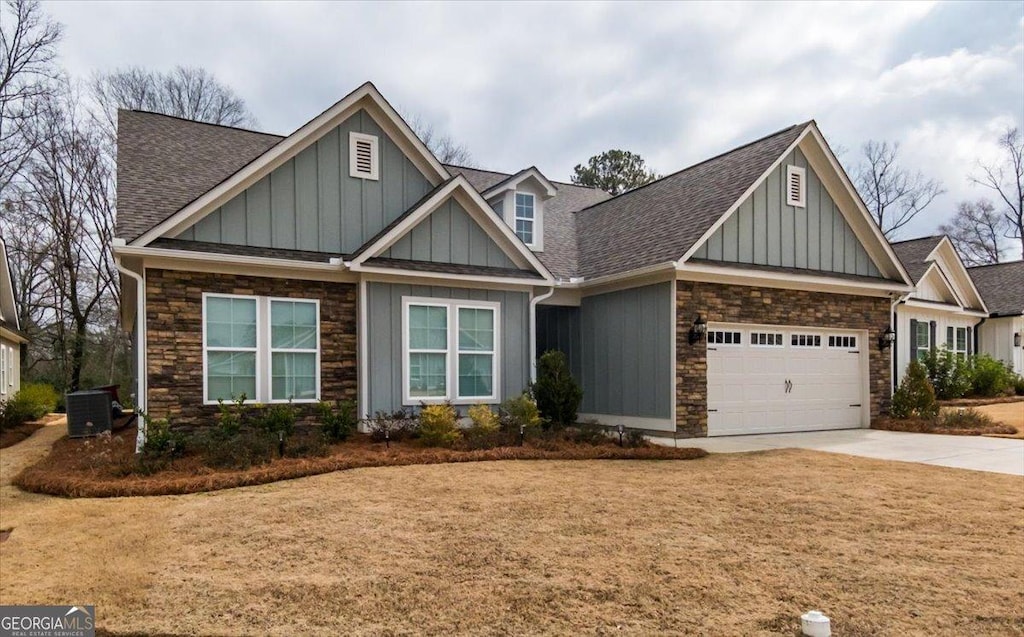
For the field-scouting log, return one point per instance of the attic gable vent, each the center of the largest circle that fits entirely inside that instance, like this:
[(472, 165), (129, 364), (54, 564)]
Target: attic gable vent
[(363, 156), (796, 186)]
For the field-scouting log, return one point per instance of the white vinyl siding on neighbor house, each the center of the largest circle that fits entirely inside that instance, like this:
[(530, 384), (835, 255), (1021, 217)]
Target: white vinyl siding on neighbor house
[(525, 217), (265, 348), (450, 350), (9, 369), (3, 369)]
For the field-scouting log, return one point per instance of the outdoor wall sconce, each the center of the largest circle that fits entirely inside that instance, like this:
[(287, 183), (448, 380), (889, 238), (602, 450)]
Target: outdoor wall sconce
[(887, 338), (699, 329), (1016, 339)]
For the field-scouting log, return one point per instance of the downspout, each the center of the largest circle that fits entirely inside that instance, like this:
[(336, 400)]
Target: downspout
[(533, 331), (977, 337), (894, 356), (140, 351)]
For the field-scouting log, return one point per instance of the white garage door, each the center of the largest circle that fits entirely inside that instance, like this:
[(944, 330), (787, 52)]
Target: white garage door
[(769, 379)]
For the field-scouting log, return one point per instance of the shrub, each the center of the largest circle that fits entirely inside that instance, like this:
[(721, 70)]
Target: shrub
[(587, 433), (518, 412), (484, 419), (965, 419), (39, 399), (338, 420), (558, 395), (949, 374), (161, 440), (991, 377), (277, 420), (439, 425), (635, 438), (13, 413), (241, 450), (229, 415), (915, 396), (1018, 385), (394, 425), (308, 444)]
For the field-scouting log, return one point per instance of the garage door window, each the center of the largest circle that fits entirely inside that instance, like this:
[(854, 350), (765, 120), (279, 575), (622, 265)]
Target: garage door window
[(766, 339), (722, 337), (842, 342), (805, 340)]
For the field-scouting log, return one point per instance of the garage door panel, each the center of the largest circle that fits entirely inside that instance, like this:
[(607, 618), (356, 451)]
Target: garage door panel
[(747, 385)]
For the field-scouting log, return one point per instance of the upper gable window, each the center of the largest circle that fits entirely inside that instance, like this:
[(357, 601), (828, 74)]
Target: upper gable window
[(525, 217), (796, 186), (363, 156)]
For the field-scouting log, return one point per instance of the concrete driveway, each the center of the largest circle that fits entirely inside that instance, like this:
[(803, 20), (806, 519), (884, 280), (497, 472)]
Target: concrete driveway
[(997, 455)]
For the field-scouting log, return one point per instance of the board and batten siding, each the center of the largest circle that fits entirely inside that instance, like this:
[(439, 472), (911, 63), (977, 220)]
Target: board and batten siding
[(312, 203), (766, 231), (626, 346), (384, 307), (450, 235), (558, 328)]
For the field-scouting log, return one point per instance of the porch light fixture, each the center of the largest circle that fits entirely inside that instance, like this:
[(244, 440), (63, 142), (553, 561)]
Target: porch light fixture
[(1016, 339), (887, 338), (698, 330)]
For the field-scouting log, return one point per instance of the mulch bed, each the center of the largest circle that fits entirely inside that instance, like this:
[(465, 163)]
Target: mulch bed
[(978, 402), (101, 467), (14, 435), (926, 426)]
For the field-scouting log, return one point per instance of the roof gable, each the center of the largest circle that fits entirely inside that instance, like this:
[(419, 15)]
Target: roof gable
[(365, 97), (1002, 287), (513, 181), (931, 259), (933, 286)]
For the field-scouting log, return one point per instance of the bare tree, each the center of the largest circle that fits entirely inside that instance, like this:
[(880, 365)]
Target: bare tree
[(975, 231), (1007, 180), (444, 146), (28, 41), (189, 92), (893, 194)]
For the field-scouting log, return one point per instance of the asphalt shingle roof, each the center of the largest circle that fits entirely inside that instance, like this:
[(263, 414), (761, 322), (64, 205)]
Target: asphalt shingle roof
[(1001, 286), (913, 253), (164, 162)]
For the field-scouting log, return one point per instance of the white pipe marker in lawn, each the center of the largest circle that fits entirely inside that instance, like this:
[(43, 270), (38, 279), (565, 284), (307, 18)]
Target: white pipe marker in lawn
[(815, 624)]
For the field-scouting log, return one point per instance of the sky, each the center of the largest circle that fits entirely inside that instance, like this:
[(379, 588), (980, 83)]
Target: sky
[(553, 84)]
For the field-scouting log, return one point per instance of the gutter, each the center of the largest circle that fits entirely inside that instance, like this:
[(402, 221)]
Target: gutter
[(140, 349), (898, 300), (533, 331)]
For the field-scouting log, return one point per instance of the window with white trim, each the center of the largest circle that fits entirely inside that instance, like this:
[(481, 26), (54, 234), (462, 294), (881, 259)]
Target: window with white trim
[(842, 342), (956, 340), (363, 156), (805, 340), (796, 186), (451, 351), (724, 337), (265, 348), (923, 339), (525, 217), (766, 339), (3, 370)]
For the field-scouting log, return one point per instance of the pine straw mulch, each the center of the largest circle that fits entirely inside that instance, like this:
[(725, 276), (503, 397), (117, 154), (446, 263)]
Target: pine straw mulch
[(982, 426), (14, 435), (103, 467), (977, 402)]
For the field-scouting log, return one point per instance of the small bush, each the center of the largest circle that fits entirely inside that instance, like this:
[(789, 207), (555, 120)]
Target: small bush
[(246, 448), (161, 440), (635, 439), (557, 393), (13, 413), (915, 396), (484, 419), (230, 415), (519, 412), (1018, 385), (308, 444), (338, 420), (587, 433), (950, 375), (991, 377), (965, 419), (395, 425), (277, 420), (39, 399), (439, 426)]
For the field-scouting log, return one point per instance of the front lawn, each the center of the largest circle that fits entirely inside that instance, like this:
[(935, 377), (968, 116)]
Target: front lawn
[(728, 545)]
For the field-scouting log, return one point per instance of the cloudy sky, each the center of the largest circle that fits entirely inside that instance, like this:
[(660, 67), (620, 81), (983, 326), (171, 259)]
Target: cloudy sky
[(553, 84)]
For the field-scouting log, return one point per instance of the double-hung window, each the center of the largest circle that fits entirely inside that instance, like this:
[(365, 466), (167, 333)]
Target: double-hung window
[(267, 349), (525, 217), (956, 340), (923, 339), (451, 351)]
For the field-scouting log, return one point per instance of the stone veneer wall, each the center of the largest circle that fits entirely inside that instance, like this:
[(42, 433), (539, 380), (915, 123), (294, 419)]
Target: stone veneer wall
[(720, 303), (174, 313)]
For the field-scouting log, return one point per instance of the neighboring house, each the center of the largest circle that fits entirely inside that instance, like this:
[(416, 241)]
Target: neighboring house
[(345, 261), (1002, 333), (11, 338), (943, 310)]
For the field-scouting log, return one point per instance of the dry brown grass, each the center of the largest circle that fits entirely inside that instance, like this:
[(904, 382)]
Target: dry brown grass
[(103, 467), (1011, 414), (14, 435), (726, 545)]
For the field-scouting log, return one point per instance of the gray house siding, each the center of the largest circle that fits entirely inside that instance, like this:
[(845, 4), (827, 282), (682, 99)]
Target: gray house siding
[(311, 202), (558, 328), (384, 307), (626, 346), (450, 235), (765, 231)]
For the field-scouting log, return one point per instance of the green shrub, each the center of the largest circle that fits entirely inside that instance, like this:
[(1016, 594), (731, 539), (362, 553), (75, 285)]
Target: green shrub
[(337, 420), (915, 396), (277, 420), (13, 413), (244, 449), (39, 399), (519, 412), (991, 377), (230, 415), (308, 444), (439, 425), (394, 425), (484, 419), (558, 395), (965, 418), (162, 441), (951, 375), (1018, 385), (587, 433)]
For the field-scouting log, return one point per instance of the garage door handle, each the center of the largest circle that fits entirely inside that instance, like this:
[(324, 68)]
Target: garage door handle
[(711, 410), (857, 405)]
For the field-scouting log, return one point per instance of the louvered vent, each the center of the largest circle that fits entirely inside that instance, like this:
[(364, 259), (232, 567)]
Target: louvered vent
[(796, 188), (363, 156)]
